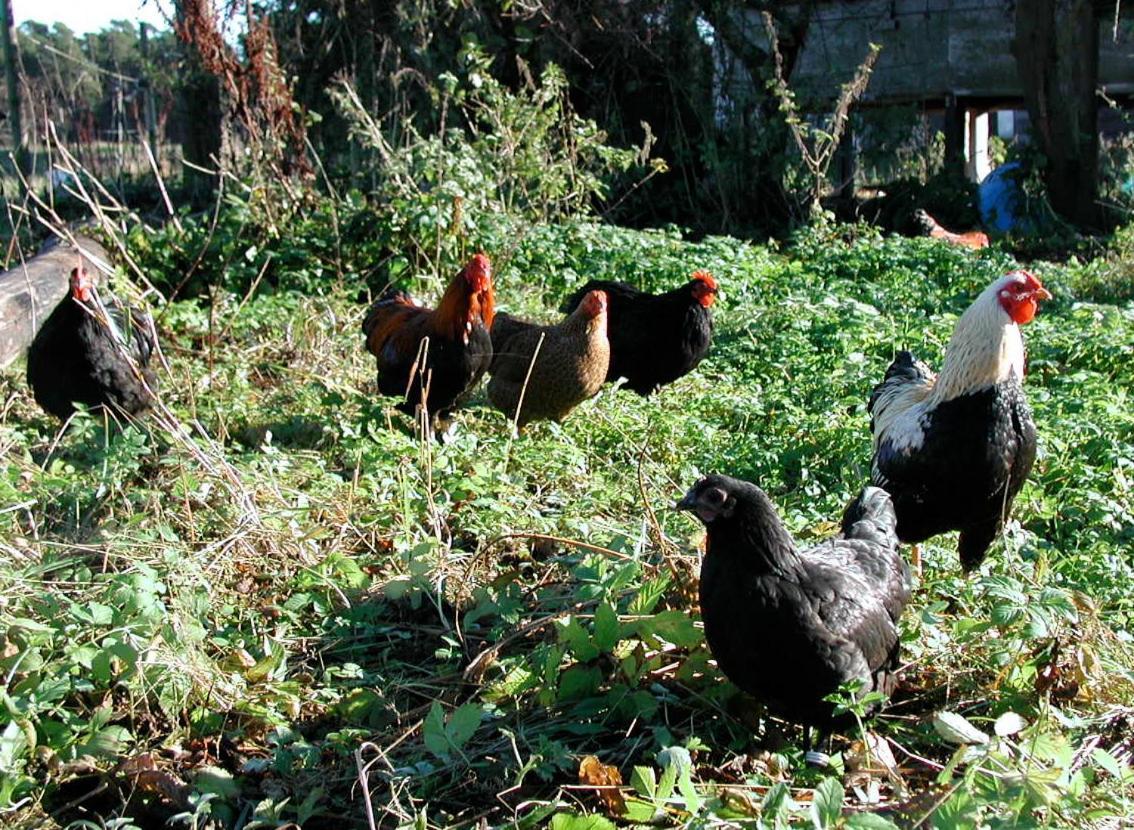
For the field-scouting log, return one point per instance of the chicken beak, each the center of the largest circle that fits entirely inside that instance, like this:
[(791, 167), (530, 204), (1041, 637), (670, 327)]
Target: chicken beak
[(687, 503), (1043, 294)]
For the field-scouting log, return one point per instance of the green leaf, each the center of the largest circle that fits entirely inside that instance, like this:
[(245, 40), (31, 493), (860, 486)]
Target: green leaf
[(397, 587), (362, 707), (579, 681), (645, 781), (956, 729), (869, 821), (462, 724), (577, 821), (1109, 763), (577, 640), (776, 800), (827, 803), (639, 811), (536, 815), (606, 628), (307, 807), (667, 782), (109, 742), (99, 614), (13, 744), (672, 626), (433, 731), (648, 595), (218, 781)]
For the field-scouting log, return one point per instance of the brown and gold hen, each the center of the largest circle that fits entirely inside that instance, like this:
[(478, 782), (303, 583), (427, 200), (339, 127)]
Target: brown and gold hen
[(570, 362)]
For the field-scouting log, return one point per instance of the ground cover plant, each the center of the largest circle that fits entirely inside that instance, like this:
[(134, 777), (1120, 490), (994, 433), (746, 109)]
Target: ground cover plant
[(272, 603)]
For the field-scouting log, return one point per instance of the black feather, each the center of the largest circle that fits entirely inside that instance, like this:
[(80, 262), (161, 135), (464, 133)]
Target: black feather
[(976, 455), (77, 358), (791, 626), (654, 338)]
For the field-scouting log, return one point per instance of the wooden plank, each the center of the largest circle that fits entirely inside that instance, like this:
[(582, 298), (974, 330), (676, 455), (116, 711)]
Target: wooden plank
[(30, 291)]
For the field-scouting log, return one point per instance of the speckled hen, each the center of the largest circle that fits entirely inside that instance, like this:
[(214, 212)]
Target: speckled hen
[(567, 362)]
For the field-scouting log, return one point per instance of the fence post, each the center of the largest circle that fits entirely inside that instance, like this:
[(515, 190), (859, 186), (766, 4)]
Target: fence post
[(148, 91)]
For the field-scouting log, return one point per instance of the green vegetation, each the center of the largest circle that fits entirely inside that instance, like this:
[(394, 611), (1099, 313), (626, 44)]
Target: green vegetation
[(271, 594)]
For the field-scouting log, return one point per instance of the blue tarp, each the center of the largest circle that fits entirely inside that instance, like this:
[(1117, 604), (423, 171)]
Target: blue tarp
[(1000, 198)]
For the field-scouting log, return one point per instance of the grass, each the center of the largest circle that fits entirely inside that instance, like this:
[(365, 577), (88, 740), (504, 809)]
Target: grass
[(276, 604)]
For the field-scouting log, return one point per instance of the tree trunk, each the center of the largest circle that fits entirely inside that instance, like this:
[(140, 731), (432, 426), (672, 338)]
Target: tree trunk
[(954, 136), (202, 117), (1057, 56), (766, 157)]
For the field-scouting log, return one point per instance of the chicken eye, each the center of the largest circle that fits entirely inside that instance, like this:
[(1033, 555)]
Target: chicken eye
[(715, 496)]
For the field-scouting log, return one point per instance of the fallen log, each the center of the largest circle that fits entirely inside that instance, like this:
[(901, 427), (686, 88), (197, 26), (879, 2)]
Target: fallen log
[(30, 291)]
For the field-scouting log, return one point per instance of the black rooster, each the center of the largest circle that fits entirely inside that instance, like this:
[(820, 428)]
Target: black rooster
[(954, 449), (94, 351), (789, 626), (655, 338)]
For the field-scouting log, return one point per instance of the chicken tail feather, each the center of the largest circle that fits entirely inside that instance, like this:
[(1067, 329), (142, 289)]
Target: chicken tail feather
[(871, 516)]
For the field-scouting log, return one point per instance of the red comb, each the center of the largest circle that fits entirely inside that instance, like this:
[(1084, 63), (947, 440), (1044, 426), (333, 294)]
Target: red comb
[(705, 277)]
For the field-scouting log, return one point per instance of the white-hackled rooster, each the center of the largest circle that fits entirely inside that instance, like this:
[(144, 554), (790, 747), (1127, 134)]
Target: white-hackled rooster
[(954, 449)]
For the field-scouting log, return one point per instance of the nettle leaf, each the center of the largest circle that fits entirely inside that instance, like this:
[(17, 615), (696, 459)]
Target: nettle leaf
[(216, 780), (576, 821), (667, 782), (577, 640), (1109, 763), (645, 781), (672, 626), (462, 724), (648, 595), (685, 786), (776, 800), (13, 744), (579, 681), (956, 729), (99, 614), (109, 742), (827, 803), (606, 628), (639, 811), (433, 731), (869, 821)]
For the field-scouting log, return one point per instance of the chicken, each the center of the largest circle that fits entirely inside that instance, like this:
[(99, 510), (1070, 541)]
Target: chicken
[(656, 338), (94, 351), (790, 626), (954, 449), (569, 366), (442, 352), (968, 239)]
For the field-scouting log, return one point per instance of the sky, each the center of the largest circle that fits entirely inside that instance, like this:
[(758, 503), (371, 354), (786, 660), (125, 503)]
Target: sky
[(82, 16)]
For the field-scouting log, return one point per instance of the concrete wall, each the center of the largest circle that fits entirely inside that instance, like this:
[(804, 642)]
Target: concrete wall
[(932, 47)]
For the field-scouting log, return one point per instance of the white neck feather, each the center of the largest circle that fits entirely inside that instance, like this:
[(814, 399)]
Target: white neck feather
[(986, 349)]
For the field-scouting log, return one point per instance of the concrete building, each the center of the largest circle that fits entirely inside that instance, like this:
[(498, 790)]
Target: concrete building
[(951, 58)]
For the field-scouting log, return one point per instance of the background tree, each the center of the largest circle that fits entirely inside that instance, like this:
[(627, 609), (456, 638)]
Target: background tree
[(1057, 56), (199, 104)]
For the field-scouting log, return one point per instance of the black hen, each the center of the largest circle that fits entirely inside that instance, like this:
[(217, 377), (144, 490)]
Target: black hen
[(789, 626), (655, 338), (93, 351)]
